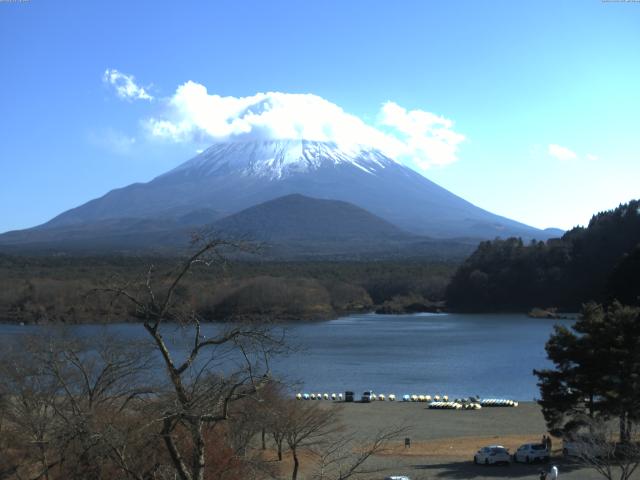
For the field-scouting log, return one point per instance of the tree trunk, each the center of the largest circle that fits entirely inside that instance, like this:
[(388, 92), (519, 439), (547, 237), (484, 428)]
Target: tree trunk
[(174, 453), (43, 459), (198, 452), (264, 442), (625, 428), (278, 441), (296, 464)]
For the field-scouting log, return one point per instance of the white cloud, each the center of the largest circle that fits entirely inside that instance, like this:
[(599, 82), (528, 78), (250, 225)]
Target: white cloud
[(192, 114), (125, 85), (561, 153), (426, 138), (591, 157)]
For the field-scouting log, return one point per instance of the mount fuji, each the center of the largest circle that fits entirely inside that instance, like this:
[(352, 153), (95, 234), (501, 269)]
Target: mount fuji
[(230, 177)]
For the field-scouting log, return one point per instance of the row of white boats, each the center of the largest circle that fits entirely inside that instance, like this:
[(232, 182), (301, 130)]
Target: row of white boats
[(473, 404), (435, 402)]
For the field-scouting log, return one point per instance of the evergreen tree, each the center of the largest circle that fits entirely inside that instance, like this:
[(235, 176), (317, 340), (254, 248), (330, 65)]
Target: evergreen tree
[(599, 262), (597, 371), (624, 282)]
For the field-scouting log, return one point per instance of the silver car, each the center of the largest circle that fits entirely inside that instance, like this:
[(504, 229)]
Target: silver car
[(531, 452), (493, 454)]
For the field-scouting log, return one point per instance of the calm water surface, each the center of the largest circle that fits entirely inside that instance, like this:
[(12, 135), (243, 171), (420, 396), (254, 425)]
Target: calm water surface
[(491, 355)]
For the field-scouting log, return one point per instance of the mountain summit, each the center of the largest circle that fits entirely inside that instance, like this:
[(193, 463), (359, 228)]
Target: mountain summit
[(276, 160), (230, 177)]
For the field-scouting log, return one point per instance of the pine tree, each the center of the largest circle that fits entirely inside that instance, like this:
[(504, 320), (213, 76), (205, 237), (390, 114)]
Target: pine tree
[(597, 370)]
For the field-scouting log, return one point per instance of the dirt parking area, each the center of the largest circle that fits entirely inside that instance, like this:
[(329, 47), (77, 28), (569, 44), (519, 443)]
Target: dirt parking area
[(443, 441)]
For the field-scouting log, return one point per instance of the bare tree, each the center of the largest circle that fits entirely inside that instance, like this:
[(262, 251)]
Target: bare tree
[(77, 410), (346, 456), (201, 387), (72, 409), (596, 448), (273, 416), (27, 411), (308, 426), (316, 430)]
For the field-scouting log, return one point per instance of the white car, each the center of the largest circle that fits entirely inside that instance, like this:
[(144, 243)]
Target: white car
[(531, 452), (397, 477), (493, 454)]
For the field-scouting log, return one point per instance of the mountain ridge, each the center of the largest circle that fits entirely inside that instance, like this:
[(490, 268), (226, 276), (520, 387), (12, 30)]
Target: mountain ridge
[(292, 227), (230, 177)]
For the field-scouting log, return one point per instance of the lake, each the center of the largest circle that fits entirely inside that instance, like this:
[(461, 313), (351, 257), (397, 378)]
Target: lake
[(490, 355)]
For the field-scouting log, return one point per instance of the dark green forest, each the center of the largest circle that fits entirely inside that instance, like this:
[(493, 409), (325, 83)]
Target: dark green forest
[(598, 263)]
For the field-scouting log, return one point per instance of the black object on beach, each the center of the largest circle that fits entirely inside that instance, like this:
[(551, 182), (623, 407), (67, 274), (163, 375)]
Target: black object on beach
[(407, 442), (348, 396)]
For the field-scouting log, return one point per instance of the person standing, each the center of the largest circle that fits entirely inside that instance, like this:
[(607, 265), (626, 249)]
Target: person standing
[(554, 472), (543, 475)]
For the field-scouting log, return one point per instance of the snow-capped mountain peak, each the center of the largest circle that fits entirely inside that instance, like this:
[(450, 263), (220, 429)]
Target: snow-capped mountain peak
[(230, 177), (277, 159)]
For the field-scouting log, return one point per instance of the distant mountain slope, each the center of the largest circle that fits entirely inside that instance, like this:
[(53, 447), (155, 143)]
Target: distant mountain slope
[(300, 227), (299, 218), (165, 233), (289, 227), (233, 176), (554, 232)]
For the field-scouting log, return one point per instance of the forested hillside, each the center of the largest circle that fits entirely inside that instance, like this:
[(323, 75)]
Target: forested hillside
[(600, 262), (67, 289)]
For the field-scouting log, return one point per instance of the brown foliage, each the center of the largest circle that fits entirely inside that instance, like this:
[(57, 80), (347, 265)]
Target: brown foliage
[(68, 290), (277, 297)]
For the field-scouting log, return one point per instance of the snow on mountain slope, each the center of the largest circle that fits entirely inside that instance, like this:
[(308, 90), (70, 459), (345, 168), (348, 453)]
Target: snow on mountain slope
[(275, 160)]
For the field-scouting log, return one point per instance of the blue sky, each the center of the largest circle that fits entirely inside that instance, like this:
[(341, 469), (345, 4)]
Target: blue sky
[(545, 94)]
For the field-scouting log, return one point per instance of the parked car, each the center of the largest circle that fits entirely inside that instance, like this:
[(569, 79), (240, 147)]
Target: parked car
[(493, 454), (397, 477), (531, 452), (348, 396), (366, 396)]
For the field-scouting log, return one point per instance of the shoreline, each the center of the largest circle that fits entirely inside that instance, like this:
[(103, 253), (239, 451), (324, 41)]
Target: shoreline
[(278, 319)]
